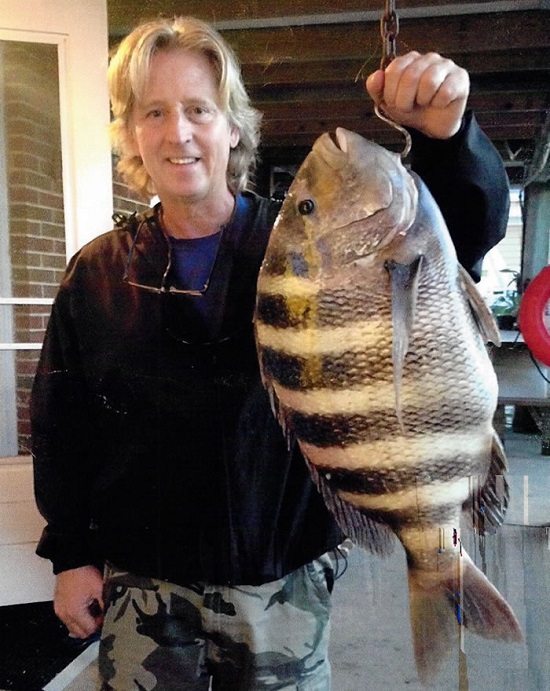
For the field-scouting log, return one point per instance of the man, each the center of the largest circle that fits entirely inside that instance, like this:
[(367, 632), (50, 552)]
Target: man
[(178, 518)]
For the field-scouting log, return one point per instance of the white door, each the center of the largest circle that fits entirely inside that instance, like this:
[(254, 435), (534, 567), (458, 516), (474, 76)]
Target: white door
[(55, 194)]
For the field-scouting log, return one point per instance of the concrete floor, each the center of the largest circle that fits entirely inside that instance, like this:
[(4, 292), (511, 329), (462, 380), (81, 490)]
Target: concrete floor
[(371, 647), (371, 641)]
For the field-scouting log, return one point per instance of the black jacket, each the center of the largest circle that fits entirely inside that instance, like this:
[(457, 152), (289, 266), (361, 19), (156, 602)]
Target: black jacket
[(153, 439)]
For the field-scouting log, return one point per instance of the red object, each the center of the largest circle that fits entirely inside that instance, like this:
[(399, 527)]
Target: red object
[(531, 316)]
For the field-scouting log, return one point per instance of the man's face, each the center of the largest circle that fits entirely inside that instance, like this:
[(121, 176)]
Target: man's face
[(180, 131)]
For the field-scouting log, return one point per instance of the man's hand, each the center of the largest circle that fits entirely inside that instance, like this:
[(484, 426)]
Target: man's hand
[(78, 600), (426, 92)]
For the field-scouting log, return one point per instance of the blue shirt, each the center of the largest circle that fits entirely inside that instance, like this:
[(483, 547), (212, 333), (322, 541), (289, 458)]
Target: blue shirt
[(193, 258)]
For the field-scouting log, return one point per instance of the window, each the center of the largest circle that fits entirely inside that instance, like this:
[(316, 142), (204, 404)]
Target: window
[(32, 234)]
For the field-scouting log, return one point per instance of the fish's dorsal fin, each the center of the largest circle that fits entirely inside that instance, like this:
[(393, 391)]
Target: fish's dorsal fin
[(490, 502), (482, 314), (404, 291)]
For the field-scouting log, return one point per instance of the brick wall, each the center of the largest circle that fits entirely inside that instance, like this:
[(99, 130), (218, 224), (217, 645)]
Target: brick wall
[(124, 200), (35, 193)]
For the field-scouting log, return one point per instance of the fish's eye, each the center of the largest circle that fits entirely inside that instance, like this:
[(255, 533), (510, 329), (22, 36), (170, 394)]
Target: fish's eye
[(306, 207)]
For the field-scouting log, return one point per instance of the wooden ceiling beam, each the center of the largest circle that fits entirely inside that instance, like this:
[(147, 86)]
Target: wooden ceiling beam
[(328, 71), (302, 116), (124, 14), (304, 62), (447, 35), (354, 96), (497, 126)]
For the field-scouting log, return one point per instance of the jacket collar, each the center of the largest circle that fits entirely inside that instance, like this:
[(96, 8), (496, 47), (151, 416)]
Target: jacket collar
[(149, 256)]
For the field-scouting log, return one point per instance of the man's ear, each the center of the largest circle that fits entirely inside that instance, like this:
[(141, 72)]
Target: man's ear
[(235, 137)]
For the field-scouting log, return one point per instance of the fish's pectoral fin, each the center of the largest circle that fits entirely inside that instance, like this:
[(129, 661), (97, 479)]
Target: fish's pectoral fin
[(267, 383), (368, 533), (489, 504), (279, 413), (482, 314), (404, 290)]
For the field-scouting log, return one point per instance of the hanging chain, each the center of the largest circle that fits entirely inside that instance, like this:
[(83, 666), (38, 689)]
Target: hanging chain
[(389, 30)]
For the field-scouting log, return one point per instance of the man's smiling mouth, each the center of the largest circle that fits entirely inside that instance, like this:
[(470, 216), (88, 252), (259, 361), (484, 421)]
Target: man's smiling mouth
[(183, 161)]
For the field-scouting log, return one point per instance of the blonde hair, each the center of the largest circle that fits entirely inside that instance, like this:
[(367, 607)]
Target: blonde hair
[(128, 73)]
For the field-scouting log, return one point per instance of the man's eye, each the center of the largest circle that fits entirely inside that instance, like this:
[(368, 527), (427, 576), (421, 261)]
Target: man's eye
[(155, 113), (200, 112)]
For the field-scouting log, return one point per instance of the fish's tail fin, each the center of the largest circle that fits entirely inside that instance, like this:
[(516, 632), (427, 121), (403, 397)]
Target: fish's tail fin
[(441, 607), (434, 625)]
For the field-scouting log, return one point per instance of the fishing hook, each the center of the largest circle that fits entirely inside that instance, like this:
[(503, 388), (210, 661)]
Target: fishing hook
[(389, 29), (408, 141)]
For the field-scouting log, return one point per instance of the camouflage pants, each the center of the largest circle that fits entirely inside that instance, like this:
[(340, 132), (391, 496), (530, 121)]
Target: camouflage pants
[(161, 636)]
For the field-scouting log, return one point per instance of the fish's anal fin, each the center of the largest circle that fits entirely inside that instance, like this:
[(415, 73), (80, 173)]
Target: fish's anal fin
[(436, 609), (480, 310), (404, 290)]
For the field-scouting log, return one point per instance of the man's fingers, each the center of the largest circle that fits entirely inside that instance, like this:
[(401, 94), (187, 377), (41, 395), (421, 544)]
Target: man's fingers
[(399, 82), (424, 91), (82, 622), (375, 85)]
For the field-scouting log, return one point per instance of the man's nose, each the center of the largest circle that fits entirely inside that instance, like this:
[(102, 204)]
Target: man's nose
[(180, 127)]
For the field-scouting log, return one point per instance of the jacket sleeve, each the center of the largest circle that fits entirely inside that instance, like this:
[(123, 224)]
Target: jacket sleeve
[(468, 180), (62, 444)]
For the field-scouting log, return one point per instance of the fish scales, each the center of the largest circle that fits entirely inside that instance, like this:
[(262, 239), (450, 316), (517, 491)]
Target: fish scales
[(370, 340), (325, 430), (332, 308)]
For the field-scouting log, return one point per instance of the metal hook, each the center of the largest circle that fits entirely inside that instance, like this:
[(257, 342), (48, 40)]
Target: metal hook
[(389, 29), (408, 141)]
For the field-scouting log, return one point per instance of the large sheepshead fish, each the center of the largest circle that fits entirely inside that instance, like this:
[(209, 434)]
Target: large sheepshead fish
[(371, 341)]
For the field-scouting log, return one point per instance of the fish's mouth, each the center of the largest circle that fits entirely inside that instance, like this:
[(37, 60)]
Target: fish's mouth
[(333, 148), (339, 140)]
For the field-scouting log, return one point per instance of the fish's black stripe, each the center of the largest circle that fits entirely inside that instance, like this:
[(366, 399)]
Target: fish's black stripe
[(347, 370), (375, 481), (334, 308), (281, 261), (274, 310), (396, 518), (344, 430)]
